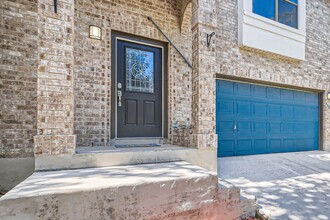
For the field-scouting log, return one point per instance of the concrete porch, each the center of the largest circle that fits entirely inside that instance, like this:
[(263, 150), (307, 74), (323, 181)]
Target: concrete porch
[(176, 190), (90, 157)]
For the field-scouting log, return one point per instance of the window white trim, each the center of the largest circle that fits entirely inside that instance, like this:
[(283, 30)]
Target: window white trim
[(264, 34)]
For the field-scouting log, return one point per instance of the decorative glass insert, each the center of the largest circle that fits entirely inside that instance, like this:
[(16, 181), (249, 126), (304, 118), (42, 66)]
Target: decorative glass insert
[(139, 70), (283, 11)]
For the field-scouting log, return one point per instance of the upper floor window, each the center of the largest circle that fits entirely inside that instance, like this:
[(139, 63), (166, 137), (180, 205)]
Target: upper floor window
[(283, 11)]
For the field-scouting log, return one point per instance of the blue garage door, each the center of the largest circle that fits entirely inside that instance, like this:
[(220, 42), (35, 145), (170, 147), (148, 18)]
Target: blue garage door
[(253, 119)]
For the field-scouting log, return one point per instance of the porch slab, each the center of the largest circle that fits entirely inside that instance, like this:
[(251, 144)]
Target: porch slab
[(287, 186), (174, 190), (112, 156)]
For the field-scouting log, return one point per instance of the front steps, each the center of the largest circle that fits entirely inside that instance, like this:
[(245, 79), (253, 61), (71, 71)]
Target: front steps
[(111, 156), (248, 204), (175, 190)]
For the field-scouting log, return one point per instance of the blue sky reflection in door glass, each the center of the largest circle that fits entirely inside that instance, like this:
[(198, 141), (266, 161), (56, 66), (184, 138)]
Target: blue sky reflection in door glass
[(139, 70)]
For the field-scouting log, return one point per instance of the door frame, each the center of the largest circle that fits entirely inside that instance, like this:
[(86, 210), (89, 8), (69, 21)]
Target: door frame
[(115, 36), (320, 92)]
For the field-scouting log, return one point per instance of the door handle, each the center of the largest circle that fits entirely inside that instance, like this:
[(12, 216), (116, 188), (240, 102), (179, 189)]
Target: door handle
[(119, 93), (235, 127)]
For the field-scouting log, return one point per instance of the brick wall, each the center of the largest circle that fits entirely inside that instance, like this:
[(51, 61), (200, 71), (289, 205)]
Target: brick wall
[(18, 77), (55, 79), (314, 72), (93, 63), (87, 72)]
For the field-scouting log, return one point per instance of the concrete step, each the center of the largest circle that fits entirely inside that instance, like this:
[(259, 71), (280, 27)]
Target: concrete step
[(89, 157), (137, 141), (248, 204), (150, 191)]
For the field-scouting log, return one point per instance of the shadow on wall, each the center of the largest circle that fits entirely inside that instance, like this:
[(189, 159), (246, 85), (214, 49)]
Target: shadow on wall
[(13, 171)]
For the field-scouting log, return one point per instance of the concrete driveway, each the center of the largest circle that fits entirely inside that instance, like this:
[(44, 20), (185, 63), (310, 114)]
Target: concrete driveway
[(287, 186)]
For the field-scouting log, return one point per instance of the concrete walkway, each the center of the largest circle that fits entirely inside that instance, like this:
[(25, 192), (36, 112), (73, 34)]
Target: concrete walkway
[(287, 186)]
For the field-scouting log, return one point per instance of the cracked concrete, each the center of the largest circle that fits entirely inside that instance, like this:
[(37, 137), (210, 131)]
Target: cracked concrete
[(287, 186)]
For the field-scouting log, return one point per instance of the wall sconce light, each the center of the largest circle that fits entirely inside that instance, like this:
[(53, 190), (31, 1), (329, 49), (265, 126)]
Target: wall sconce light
[(95, 32), (328, 96)]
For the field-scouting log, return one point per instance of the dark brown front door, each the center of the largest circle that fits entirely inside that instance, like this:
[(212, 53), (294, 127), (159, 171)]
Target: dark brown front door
[(139, 90)]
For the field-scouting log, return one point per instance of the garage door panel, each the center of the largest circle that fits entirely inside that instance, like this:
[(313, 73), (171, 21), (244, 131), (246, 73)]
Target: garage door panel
[(244, 145), (312, 114), (300, 127), (300, 112), (273, 93), (259, 109), (312, 99), (275, 145), (304, 143), (275, 128), (259, 92), (244, 127), (225, 126), (260, 127), (288, 144), (274, 110), (299, 97), (267, 120), (225, 87), (226, 148), (316, 128), (226, 107), (287, 111), (286, 95), (287, 128), (242, 89), (260, 145), (243, 108)]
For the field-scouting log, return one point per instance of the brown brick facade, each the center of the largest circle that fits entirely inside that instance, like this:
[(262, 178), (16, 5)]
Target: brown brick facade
[(92, 68), (313, 73), (204, 21), (18, 77), (55, 79), (56, 82)]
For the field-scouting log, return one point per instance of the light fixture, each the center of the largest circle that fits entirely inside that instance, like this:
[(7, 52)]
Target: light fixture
[(95, 32), (328, 96)]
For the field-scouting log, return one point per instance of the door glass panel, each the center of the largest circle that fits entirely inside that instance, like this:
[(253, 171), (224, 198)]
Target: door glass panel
[(139, 70)]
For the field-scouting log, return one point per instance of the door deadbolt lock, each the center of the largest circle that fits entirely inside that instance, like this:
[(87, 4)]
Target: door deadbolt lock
[(119, 93)]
